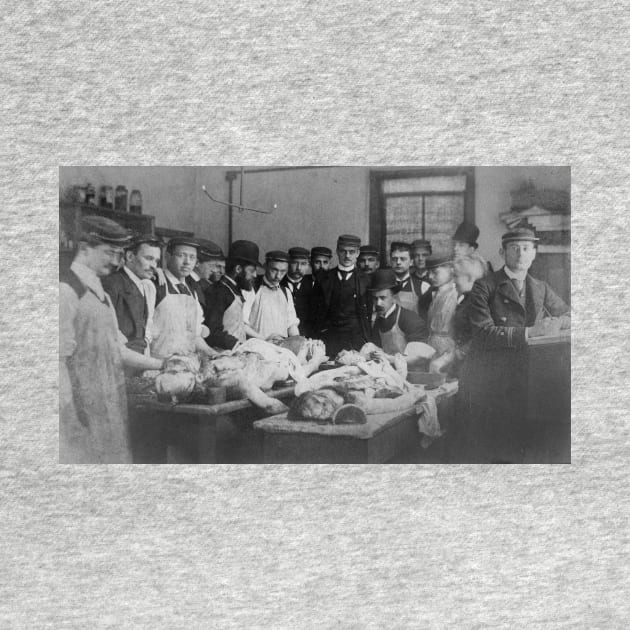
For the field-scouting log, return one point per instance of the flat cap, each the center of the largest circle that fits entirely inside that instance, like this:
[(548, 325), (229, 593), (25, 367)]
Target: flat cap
[(348, 240), (439, 261), (368, 250), (209, 250), (421, 243), (141, 239), (321, 251), (104, 230), (519, 234), (277, 256), (298, 253), (189, 241)]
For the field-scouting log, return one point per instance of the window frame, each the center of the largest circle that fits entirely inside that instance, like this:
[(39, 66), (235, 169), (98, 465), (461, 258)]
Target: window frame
[(377, 214)]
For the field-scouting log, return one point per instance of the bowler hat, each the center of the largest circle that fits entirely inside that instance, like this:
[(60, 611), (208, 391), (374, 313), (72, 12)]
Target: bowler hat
[(189, 241), (277, 256), (245, 251), (298, 253), (466, 233), (348, 240), (519, 234), (368, 250), (384, 279), (102, 230), (209, 250), (421, 243), (321, 251), (438, 261)]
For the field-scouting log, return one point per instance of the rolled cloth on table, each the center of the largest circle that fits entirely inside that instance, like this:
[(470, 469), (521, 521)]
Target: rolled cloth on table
[(428, 422)]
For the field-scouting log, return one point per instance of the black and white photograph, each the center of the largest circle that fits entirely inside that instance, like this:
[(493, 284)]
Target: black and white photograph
[(315, 314)]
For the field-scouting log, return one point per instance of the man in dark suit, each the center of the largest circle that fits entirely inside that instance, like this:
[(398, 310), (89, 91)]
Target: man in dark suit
[(210, 266), (506, 309), (132, 291), (301, 285), (342, 292)]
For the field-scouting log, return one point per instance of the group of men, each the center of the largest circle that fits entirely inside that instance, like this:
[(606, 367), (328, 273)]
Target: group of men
[(134, 315)]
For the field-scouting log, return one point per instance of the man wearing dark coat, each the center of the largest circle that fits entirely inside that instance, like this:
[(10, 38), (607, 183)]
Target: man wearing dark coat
[(342, 292), (131, 291), (301, 286), (506, 309)]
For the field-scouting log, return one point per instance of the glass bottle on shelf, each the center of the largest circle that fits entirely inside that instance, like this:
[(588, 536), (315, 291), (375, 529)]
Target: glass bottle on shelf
[(120, 199), (90, 195), (106, 197), (135, 202)]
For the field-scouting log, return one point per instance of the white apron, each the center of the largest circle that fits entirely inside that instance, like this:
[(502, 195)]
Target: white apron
[(393, 341), (176, 326), (408, 299)]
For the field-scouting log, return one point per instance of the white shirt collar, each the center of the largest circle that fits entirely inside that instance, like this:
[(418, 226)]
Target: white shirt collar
[(268, 284), (514, 276), (173, 279), (346, 269), (404, 278), (134, 278), (195, 276), (89, 278), (392, 308)]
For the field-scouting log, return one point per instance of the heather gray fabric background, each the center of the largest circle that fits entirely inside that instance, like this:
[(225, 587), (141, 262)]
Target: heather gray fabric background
[(314, 83)]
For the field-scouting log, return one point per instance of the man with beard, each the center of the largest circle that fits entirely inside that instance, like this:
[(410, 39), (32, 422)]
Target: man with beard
[(344, 315), (368, 261), (224, 300), (320, 259), (301, 284), (133, 293), (272, 315), (394, 327), (93, 420)]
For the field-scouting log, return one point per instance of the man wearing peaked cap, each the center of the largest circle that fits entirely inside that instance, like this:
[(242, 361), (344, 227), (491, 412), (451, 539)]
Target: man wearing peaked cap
[(343, 318), (301, 284), (273, 315), (225, 300), (93, 420), (395, 328), (132, 291), (506, 308), (320, 259), (443, 303), (368, 261)]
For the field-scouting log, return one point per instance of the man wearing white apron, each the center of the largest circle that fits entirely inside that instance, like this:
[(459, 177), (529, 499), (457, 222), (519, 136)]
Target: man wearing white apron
[(395, 327), (410, 286), (225, 300), (178, 318)]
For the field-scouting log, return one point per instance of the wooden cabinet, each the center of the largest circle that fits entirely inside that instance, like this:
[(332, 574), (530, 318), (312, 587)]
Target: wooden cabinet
[(70, 215)]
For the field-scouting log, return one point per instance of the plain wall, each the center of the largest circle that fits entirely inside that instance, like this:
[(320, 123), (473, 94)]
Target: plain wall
[(493, 185), (314, 206)]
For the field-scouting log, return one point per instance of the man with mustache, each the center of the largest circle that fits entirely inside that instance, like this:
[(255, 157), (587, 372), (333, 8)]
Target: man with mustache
[(132, 291), (225, 300), (301, 286)]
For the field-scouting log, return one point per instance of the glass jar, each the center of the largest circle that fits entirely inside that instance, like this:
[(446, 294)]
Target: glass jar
[(106, 197), (90, 195), (120, 199), (135, 202)]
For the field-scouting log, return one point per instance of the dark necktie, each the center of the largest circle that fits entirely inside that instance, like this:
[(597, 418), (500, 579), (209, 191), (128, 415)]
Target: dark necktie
[(183, 289), (344, 274)]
